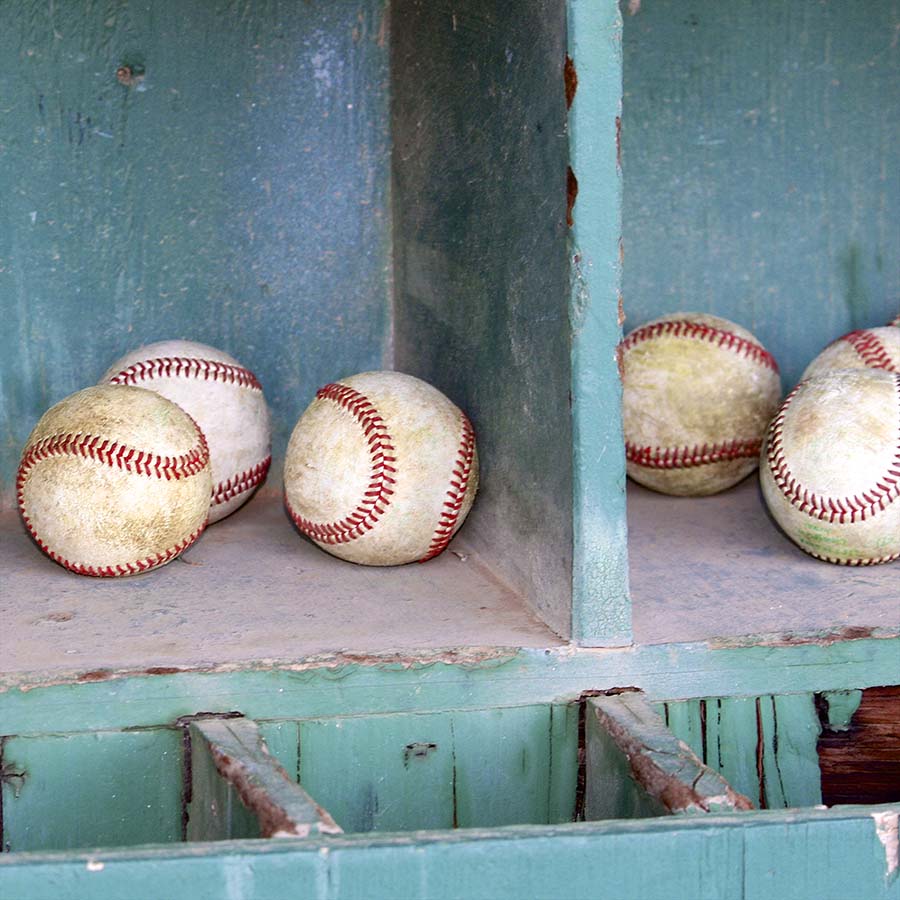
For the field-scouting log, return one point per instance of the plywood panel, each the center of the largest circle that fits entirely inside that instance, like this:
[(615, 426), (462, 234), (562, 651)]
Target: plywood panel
[(760, 165), (95, 789), (236, 195)]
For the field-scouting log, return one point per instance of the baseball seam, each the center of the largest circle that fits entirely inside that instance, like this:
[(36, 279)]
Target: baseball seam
[(681, 328), (870, 349), (123, 457), (241, 482), (459, 484), (690, 457), (382, 478), (844, 510), (186, 367), (856, 561)]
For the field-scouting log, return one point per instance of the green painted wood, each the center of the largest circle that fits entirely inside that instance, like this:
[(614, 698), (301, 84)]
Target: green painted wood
[(601, 612), (731, 738), (479, 202), (98, 789), (790, 733), (283, 741), (684, 719), (240, 790), (444, 681), (237, 195), (800, 855), (637, 767), (502, 766), (381, 773), (841, 706), (779, 209), (563, 762), (215, 811)]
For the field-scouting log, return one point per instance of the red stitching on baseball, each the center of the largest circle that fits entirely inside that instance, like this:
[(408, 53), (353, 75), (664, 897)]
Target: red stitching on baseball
[(241, 482), (121, 456), (186, 367), (870, 349), (845, 510), (689, 457), (698, 331), (377, 495), (859, 561), (457, 493), (129, 568)]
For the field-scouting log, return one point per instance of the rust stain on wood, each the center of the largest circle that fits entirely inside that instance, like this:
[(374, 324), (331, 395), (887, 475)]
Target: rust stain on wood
[(570, 76), (571, 194)]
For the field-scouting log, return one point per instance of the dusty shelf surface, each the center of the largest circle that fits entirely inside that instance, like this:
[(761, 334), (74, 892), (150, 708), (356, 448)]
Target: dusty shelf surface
[(713, 567), (250, 589)]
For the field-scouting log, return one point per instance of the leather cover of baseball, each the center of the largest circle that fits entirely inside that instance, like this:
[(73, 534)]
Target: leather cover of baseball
[(114, 481), (381, 469), (223, 398), (830, 466), (698, 393), (867, 348)]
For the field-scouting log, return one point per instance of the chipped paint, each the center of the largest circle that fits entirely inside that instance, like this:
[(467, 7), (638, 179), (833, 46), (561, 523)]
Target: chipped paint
[(887, 830)]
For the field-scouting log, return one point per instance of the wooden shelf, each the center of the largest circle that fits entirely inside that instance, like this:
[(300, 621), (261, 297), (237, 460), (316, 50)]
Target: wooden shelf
[(250, 589), (714, 567)]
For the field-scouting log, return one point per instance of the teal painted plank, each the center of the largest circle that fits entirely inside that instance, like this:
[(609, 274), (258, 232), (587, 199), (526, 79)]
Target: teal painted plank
[(283, 739), (429, 683), (683, 718), (237, 196), (778, 210), (601, 613), (809, 855), (100, 789), (794, 755), (380, 773), (731, 739), (563, 762), (502, 766), (240, 790), (479, 190)]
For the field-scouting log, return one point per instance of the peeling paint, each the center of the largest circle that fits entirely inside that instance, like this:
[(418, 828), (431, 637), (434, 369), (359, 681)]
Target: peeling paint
[(887, 828)]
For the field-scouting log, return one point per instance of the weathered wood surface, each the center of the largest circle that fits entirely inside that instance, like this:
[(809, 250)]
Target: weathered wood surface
[(238, 789), (271, 243), (757, 157), (717, 567), (796, 855), (636, 767), (860, 759), (462, 769), (63, 791), (764, 746), (475, 679)]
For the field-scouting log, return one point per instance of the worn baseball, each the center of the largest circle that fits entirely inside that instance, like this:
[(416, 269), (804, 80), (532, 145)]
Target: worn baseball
[(381, 469), (698, 394), (114, 481), (223, 398), (866, 348), (830, 466)]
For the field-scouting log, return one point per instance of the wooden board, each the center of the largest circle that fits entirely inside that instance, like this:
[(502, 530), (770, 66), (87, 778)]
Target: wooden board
[(250, 589), (805, 855), (89, 790), (712, 567)]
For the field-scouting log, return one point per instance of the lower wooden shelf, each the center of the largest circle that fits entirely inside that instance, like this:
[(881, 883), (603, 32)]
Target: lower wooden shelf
[(251, 589), (718, 567)]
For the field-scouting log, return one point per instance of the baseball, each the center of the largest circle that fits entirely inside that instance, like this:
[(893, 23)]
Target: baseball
[(114, 481), (867, 348), (830, 466), (381, 469), (222, 397), (698, 393)]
